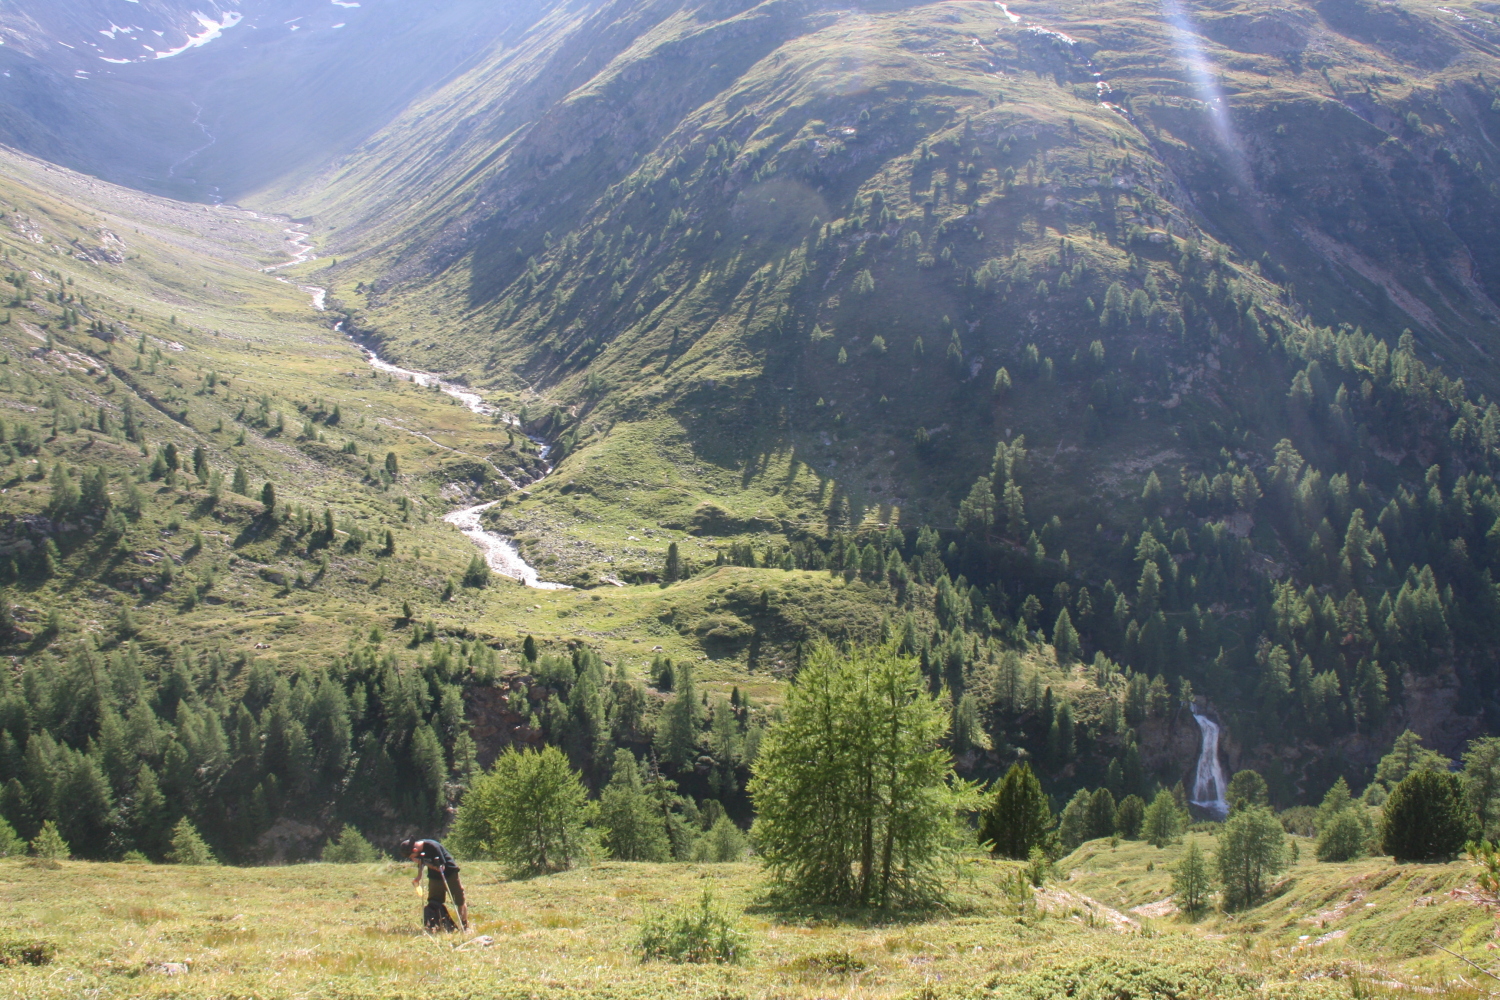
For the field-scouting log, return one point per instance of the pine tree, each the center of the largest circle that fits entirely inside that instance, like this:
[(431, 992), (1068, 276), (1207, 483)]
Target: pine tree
[(853, 788), (1191, 880), (677, 728), (391, 465), (1163, 821), (1426, 818), (11, 844), (241, 482), (673, 569), (1481, 779), (1101, 814), (1002, 383), (526, 812), (268, 497), (976, 514), (1015, 510), (1407, 755), (65, 496), (1065, 638), (188, 848), (1019, 817), (1247, 788), (1130, 815), (478, 572), (149, 817), (1252, 848), (349, 848), (49, 845), (632, 828), (1345, 836)]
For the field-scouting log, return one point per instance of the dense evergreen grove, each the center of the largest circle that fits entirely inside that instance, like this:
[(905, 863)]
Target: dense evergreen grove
[(115, 748), (1345, 540)]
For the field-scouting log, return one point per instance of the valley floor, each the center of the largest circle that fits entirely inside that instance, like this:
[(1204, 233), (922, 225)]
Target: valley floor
[(1360, 929)]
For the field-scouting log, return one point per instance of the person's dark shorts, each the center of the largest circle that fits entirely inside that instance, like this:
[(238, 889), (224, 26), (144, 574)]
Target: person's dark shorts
[(437, 891)]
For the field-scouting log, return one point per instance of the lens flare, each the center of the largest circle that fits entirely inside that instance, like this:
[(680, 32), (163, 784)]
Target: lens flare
[(1202, 78)]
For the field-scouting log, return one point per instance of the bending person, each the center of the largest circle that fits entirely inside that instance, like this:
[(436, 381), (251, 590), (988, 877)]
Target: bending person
[(442, 874)]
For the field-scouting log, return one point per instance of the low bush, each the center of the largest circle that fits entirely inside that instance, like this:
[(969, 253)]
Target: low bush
[(698, 933), (839, 964), (27, 952), (1112, 978)]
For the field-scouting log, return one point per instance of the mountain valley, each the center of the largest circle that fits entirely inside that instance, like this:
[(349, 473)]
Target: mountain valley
[(386, 386)]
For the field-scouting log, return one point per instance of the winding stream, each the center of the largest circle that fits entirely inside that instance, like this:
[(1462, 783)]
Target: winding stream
[(500, 553)]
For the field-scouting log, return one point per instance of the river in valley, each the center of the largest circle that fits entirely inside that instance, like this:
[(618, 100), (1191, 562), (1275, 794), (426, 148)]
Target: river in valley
[(500, 552)]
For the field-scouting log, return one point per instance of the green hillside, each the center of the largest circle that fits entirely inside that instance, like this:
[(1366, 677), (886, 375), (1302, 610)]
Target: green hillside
[(1124, 369), (799, 277)]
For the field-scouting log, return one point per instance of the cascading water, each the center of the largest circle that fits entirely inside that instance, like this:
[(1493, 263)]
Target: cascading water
[(1208, 782)]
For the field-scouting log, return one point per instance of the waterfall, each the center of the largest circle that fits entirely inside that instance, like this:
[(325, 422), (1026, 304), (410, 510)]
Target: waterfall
[(1208, 782)]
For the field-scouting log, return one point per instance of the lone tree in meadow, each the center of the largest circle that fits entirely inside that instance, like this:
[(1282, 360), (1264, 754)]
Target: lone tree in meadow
[(1427, 818), (856, 798), (526, 812), (1019, 817), (1252, 848), (188, 848), (1191, 880)]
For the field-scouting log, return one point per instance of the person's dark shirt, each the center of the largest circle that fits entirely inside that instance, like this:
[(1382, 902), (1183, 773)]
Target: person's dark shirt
[(434, 854)]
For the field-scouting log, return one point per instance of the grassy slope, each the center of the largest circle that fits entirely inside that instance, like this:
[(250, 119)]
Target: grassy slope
[(201, 267), (348, 931)]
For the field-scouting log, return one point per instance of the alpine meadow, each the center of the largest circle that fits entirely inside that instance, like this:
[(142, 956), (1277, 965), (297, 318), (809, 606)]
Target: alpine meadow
[(752, 499)]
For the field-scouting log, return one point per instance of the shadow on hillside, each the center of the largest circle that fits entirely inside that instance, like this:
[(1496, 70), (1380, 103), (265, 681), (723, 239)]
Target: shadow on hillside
[(787, 910)]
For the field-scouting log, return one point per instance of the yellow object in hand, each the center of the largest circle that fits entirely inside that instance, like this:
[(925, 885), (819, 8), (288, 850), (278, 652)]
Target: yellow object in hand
[(418, 889)]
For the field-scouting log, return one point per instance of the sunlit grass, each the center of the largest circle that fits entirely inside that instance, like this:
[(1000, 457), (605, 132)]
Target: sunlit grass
[(352, 931)]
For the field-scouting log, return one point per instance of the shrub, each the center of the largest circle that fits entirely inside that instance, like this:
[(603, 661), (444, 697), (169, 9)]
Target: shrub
[(839, 964), (49, 845), (526, 812), (1101, 977), (696, 933), (26, 952), (1427, 818), (188, 847), (350, 848)]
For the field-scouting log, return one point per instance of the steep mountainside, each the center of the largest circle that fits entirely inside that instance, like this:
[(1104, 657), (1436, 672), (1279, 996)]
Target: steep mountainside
[(787, 270)]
